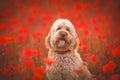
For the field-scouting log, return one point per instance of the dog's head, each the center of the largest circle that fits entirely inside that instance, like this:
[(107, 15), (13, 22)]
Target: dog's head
[(62, 36)]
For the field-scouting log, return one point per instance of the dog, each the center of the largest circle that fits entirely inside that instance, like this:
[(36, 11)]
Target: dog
[(62, 41)]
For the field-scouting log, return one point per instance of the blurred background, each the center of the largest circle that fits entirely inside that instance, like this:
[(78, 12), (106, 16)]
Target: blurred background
[(24, 24)]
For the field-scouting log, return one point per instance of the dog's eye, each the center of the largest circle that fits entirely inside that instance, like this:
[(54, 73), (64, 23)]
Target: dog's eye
[(68, 29), (59, 28)]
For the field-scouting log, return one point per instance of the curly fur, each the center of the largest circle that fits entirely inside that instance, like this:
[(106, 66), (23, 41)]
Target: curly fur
[(66, 57)]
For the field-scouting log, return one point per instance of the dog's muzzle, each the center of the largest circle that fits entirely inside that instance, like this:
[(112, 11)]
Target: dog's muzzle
[(63, 34), (62, 41)]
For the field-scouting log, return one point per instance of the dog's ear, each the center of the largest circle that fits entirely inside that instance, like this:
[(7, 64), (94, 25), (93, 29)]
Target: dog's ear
[(47, 41), (76, 45)]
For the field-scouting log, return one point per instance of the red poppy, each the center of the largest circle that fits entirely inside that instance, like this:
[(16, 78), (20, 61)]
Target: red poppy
[(28, 63), (109, 67), (49, 61), (39, 70), (116, 52), (115, 77), (28, 52), (78, 71), (37, 77), (93, 58), (84, 63)]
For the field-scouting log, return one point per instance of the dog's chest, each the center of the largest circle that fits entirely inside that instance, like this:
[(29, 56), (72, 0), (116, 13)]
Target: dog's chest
[(66, 61), (62, 68)]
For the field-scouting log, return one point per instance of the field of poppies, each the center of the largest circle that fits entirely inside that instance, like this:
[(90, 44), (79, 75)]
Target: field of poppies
[(24, 24)]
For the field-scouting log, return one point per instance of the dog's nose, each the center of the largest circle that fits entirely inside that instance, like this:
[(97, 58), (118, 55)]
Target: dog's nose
[(63, 33)]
